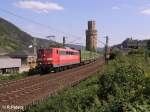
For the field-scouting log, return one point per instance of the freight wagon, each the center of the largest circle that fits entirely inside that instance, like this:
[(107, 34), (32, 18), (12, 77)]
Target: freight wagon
[(58, 59)]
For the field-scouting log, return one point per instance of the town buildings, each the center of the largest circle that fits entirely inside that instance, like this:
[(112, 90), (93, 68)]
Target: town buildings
[(130, 43)]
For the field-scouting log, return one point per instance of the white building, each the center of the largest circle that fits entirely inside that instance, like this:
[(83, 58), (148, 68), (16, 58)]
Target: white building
[(9, 65)]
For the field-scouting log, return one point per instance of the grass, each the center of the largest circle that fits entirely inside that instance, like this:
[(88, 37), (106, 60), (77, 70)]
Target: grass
[(86, 97), (13, 76), (70, 97)]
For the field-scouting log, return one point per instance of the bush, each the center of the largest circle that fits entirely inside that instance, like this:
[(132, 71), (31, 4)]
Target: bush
[(121, 87), (124, 87), (114, 53), (34, 71), (137, 52)]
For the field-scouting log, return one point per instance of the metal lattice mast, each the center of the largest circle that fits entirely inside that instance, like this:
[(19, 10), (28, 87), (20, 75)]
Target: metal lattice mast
[(34, 42), (64, 41)]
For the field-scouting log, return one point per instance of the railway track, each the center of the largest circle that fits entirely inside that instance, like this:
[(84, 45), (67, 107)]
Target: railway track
[(20, 94)]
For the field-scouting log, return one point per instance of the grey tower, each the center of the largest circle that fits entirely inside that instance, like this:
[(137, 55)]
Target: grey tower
[(91, 36)]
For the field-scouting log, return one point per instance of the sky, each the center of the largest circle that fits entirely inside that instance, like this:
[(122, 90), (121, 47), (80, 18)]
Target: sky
[(119, 19)]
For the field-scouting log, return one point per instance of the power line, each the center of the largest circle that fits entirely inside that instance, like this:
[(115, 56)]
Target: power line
[(101, 42), (46, 26), (35, 22), (74, 40)]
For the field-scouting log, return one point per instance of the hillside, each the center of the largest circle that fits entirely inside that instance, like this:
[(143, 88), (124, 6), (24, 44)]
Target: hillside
[(12, 38)]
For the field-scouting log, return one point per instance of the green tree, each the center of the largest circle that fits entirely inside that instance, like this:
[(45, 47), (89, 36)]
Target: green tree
[(148, 44), (148, 47)]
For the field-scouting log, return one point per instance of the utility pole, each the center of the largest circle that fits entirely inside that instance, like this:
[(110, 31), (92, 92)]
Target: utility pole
[(34, 42), (64, 41), (106, 49), (51, 38)]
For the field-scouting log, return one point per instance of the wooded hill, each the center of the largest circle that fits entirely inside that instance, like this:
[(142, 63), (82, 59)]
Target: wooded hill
[(12, 38)]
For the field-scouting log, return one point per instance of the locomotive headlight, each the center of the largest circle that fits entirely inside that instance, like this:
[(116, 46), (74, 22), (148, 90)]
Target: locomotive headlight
[(49, 59)]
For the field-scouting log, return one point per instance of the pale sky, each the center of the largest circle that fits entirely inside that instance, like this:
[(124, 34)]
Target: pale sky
[(118, 19)]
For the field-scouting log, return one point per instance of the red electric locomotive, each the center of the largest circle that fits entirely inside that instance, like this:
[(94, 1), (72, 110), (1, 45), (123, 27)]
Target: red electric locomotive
[(56, 59)]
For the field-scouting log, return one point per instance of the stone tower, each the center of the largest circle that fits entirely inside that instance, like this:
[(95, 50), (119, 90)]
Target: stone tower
[(91, 36)]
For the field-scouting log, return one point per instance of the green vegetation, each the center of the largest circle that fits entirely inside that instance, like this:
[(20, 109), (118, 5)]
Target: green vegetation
[(75, 99), (123, 86), (148, 45), (148, 48), (89, 55), (12, 38), (114, 54), (137, 52), (13, 76), (9, 44)]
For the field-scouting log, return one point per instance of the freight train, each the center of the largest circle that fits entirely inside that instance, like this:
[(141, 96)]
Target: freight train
[(59, 59)]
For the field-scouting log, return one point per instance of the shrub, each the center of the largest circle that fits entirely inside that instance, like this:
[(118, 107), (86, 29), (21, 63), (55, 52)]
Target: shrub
[(121, 87), (124, 87), (137, 52), (114, 53)]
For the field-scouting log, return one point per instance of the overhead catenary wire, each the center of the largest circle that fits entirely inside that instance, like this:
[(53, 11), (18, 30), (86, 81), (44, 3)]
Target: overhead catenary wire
[(38, 23), (46, 26), (74, 40), (101, 42)]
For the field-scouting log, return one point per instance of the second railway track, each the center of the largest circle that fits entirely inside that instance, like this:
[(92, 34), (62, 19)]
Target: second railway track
[(27, 91)]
